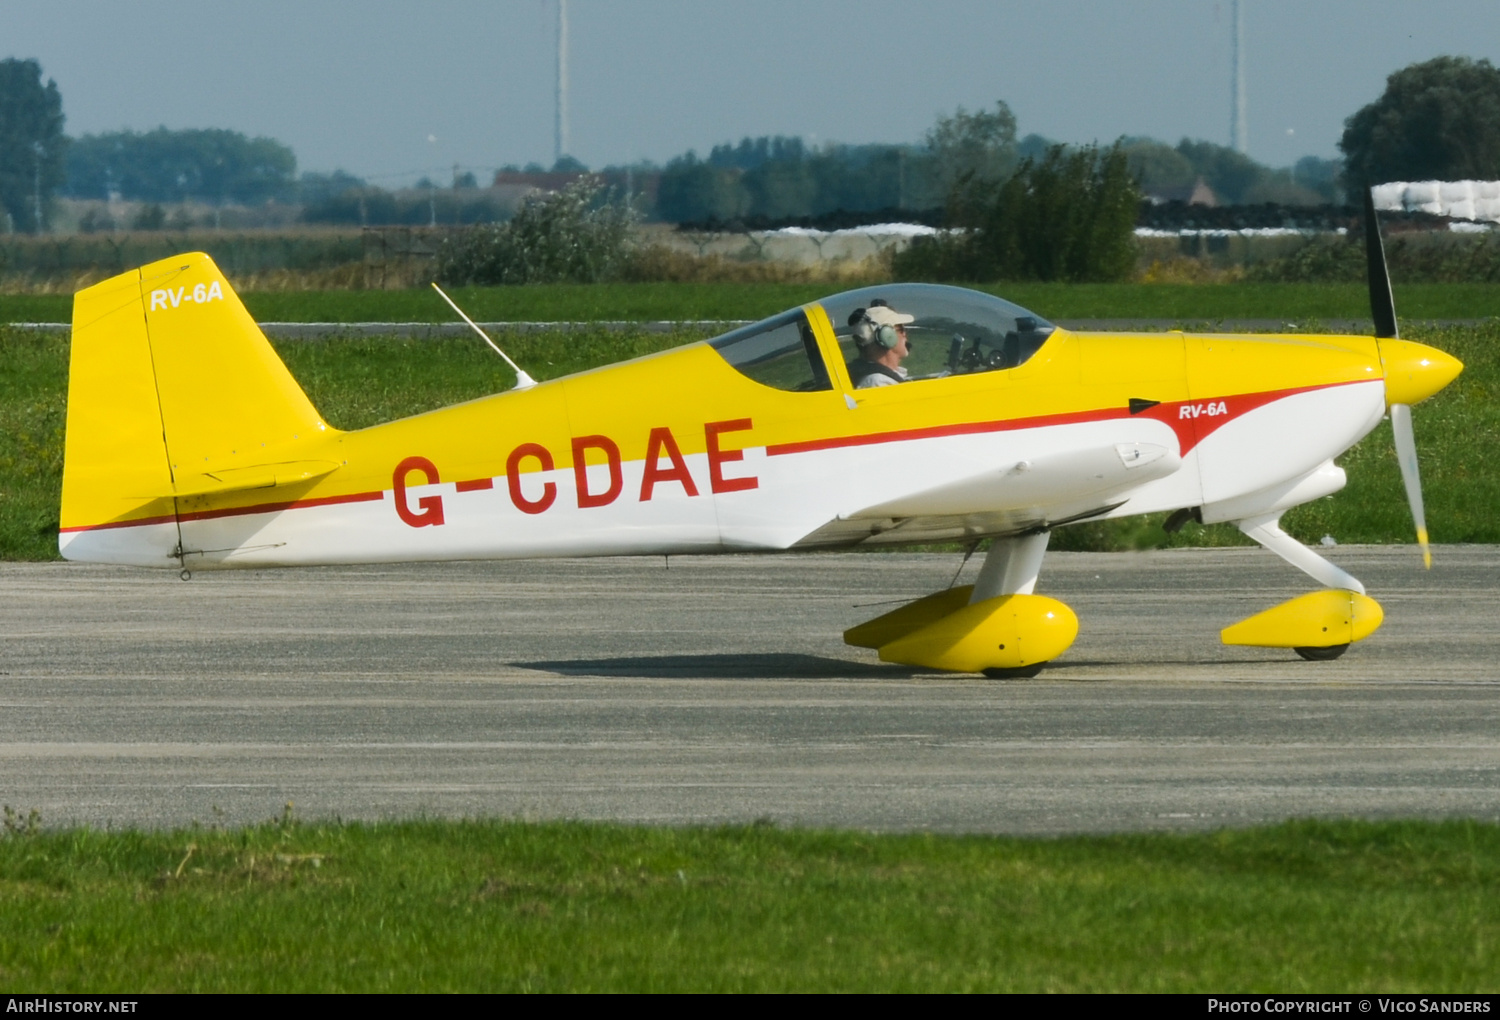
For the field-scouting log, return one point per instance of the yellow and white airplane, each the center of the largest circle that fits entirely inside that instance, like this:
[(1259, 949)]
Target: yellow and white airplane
[(189, 445)]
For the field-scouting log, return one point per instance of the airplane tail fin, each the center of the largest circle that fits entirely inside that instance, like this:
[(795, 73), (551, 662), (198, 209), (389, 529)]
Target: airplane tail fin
[(173, 391)]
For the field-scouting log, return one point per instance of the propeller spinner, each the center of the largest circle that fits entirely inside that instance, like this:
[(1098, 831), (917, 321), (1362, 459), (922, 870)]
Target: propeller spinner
[(1413, 372)]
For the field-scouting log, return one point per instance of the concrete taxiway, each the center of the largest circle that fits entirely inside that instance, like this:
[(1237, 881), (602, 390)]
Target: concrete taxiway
[(718, 691)]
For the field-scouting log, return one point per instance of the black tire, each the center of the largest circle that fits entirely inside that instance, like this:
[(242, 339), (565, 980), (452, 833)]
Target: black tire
[(1016, 673), (1325, 654)]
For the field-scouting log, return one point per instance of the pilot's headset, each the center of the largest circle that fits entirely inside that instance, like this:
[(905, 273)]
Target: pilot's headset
[(861, 328), (867, 331)]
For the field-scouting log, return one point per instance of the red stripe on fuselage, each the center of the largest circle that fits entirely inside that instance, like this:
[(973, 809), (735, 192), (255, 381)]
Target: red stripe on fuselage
[(139, 522), (1195, 429), (236, 511), (273, 508), (938, 431)]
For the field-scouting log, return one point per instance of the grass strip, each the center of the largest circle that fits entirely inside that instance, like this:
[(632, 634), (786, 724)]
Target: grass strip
[(358, 382), (642, 302), (33, 412), (1407, 906)]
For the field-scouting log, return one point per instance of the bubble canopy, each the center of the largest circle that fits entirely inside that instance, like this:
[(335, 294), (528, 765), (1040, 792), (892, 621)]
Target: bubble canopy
[(955, 331)]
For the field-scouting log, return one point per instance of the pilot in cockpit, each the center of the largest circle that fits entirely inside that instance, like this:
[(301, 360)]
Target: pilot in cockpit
[(880, 333)]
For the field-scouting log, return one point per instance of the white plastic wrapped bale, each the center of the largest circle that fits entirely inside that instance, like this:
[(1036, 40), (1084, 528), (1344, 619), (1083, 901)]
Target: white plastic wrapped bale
[(1463, 209), (1390, 197), (1424, 196), (1466, 200)]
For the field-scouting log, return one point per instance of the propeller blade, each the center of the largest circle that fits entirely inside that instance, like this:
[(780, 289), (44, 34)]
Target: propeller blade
[(1382, 304), (1406, 456)]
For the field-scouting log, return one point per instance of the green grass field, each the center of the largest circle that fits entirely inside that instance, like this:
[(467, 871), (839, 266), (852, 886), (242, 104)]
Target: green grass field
[(641, 302), (361, 382), (508, 906), (33, 411)]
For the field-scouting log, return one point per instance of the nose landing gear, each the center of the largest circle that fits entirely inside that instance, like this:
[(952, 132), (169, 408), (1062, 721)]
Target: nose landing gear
[(1319, 626)]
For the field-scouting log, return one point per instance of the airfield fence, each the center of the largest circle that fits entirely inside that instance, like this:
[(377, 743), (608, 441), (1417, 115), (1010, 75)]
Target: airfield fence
[(398, 257), (368, 257)]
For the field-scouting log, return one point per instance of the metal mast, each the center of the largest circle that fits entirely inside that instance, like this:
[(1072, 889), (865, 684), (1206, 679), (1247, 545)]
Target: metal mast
[(561, 142), (1239, 122)]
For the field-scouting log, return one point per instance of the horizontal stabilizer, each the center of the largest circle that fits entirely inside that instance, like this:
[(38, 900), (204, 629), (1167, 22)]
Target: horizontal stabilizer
[(260, 476)]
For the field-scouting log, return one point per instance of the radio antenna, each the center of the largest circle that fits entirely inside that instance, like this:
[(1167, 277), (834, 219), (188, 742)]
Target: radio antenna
[(523, 381)]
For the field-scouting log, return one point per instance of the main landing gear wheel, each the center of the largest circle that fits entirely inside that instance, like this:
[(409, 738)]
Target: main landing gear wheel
[(1015, 673), (1325, 654)]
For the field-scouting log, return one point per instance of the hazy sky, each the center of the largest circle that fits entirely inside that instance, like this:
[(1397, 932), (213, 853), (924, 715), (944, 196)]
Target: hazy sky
[(393, 90)]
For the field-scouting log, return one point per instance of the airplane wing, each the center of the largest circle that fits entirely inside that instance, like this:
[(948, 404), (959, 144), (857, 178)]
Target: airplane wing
[(1019, 496)]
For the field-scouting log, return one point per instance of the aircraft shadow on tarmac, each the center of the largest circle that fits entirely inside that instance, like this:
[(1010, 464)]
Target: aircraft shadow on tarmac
[(786, 666), (748, 666)]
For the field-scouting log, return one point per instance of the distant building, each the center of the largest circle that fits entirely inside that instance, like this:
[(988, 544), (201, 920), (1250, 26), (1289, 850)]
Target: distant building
[(1198, 193)]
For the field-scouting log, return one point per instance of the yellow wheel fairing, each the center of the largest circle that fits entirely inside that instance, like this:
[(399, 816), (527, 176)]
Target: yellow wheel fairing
[(1319, 619), (1005, 632)]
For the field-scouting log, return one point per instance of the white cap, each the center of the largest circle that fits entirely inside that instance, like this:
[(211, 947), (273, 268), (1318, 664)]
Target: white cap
[(884, 315)]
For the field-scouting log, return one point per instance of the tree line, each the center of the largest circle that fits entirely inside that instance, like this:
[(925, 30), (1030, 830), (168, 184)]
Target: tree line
[(1436, 119)]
